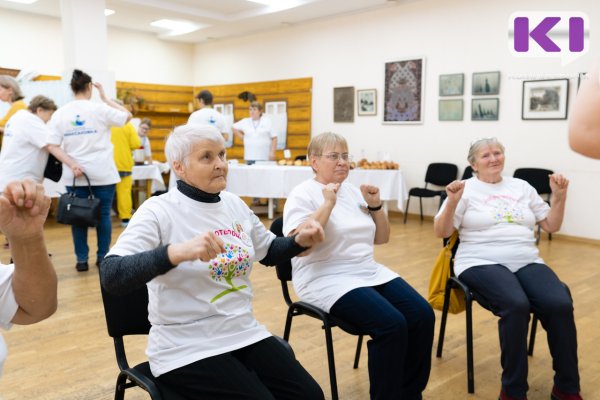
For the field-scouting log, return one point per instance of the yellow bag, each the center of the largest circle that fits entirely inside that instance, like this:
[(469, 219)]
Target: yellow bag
[(440, 275)]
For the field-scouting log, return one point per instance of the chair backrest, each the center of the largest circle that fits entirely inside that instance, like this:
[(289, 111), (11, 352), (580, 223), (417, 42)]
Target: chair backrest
[(128, 314), (536, 177), (284, 270), (468, 173), (301, 157), (441, 174)]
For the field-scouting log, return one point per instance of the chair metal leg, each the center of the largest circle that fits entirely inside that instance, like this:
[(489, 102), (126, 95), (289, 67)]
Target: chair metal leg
[(470, 370), (288, 325), (120, 387), (421, 207), (358, 348), (534, 321), (331, 360), (406, 209), (440, 345)]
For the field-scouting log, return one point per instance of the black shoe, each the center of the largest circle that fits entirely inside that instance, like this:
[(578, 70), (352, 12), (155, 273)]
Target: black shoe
[(82, 266)]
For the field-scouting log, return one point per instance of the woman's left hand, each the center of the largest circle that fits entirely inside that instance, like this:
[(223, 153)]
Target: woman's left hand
[(371, 195), (559, 185), (309, 233)]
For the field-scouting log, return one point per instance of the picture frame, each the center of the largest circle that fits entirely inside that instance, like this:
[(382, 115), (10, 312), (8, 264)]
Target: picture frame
[(450, 110), (546, 99), (452, 84), (404, 91), (485, 83), (366, 102), (484, 109), (343, 104)]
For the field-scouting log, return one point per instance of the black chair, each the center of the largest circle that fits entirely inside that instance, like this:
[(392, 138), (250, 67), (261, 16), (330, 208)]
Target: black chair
[(284, 274), (470, 295), (439, 174), (538, 178), (467, 173), (128, 315), (301, 157)]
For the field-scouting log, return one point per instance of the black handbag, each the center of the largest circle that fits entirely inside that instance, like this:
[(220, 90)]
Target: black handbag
[(78, 211), (53, 170)]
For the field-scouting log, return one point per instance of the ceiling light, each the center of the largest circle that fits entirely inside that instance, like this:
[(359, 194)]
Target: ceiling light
[(108, 11), (280, 3), (176, 27), (22, 1)]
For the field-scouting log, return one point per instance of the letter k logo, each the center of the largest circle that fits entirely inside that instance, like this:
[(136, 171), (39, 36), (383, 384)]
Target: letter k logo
[(539, 34)]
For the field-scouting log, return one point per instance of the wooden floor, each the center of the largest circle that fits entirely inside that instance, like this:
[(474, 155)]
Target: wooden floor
[(70, 356)]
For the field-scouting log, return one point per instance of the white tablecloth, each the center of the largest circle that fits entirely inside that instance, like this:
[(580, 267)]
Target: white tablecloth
[(267, 181), (140, 172)]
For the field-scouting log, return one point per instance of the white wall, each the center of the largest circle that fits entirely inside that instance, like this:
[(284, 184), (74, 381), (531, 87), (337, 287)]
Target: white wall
[(458, 36), (35, 43)]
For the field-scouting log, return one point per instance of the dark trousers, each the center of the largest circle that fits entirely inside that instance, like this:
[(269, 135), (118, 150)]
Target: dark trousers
[(400, 323), (513, 296), (262, 371)]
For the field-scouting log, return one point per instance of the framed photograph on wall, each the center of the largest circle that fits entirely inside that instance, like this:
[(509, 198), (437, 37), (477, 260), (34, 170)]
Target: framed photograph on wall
[(450, 110), (366, 101), (485, 83), (545, 99), (452, 84), (343, 104), (403, 91), (484, 109)]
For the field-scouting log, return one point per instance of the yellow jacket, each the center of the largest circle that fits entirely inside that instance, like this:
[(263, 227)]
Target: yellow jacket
[(14, 107), (124, 139)]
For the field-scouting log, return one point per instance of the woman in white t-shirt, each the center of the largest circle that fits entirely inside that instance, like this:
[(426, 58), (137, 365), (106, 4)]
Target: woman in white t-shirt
[(495, 216), (194, 247), (256, 131), (25, 147), (342, 277), (82, 128)]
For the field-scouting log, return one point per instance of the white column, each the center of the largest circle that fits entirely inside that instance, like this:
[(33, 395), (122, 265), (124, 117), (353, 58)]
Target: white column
[(86, 42)]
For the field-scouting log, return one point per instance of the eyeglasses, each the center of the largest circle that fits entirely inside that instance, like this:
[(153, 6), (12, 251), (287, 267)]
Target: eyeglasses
[(337, 156)]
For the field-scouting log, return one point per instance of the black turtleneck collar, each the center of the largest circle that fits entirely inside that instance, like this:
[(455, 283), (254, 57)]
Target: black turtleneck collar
[(196, 194)]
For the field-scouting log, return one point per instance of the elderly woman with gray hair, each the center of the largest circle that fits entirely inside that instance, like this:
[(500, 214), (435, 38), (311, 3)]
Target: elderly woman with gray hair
[(495, 216), (194, 248), (10, 93)]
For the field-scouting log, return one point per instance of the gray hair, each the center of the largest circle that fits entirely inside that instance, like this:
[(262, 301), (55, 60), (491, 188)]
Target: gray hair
[(324, 141), (8, 82), (479, 144), (183, 138)]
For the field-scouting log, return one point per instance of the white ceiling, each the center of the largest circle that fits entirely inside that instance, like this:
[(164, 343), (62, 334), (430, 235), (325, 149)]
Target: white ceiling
[(220, 18)]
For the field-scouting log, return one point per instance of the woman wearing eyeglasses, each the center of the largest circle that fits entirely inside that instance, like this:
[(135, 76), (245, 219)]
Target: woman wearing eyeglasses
[(341, 276), (256, 131)]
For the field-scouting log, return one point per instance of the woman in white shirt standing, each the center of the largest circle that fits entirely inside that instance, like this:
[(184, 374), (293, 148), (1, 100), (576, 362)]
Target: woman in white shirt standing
[(25, 148), (495, 216), (82, 128), (256, 131)]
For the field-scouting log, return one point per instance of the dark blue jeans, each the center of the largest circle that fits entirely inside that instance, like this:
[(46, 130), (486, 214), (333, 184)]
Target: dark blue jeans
[(400, 323), (105, 193), (513, 296)]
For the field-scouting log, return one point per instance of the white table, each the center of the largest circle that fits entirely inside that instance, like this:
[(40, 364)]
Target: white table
[(150, 173), (276, 182)]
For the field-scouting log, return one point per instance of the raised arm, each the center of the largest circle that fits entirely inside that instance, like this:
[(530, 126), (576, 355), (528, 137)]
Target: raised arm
[(371, 195), (443, 225), (559, 185), (110, 102)]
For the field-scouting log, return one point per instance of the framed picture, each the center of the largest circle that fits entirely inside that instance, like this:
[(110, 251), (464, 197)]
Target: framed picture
[(545, 99), (403, 91), (485, 83), (343, 104), (484, 109), (452, 84), (450, 110), (366, 101)]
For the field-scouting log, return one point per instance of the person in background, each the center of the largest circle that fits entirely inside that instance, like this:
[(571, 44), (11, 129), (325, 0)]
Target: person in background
[(10, 93), (82, 128), (206, 115), (24, 152), (257, 134), (124, 139), (28, 287), (495, 216), (143, 130), (194, 248), (340, 275), (584, 124)]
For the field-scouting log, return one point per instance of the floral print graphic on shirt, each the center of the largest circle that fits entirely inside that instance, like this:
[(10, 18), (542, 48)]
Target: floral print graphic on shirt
[(234, 262), (505, 209)]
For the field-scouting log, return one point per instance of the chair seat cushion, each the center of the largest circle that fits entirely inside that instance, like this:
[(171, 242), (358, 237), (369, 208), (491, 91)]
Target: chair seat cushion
[(422, 192)]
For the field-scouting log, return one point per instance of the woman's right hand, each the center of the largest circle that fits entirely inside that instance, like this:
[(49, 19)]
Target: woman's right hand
[(77, 170), (455, 190), (330, 192), (204, 247)]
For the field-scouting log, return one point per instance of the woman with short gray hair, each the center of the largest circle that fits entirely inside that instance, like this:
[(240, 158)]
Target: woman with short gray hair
[(10, 93), (194, 247)]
